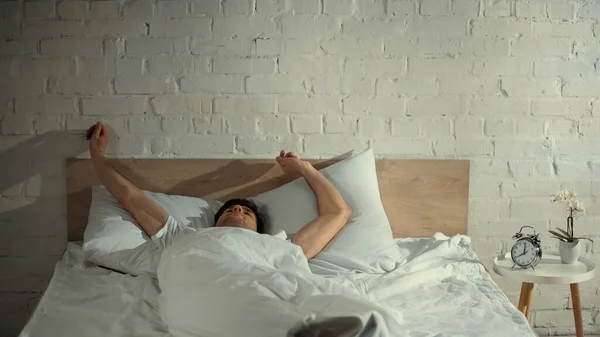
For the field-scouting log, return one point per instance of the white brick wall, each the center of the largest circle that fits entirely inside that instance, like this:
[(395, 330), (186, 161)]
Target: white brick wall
[(510, 85)]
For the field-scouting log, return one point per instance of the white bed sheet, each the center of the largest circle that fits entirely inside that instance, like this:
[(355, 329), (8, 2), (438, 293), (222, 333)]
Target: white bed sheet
[(442, 289), (83, 299)]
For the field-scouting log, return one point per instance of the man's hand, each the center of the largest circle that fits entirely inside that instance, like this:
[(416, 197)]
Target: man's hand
[(289, 163), (98, 140)]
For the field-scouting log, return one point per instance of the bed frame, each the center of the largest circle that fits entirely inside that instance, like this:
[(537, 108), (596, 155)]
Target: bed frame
[(420, 197)]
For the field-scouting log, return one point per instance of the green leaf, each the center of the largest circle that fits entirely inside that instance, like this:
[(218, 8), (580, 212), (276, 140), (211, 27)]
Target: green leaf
[(558, 235), (582, 238), (563, 240), (565, 233)]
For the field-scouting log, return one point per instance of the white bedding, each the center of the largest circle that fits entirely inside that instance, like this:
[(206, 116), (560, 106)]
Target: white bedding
[(246, 284), (439, 289), (86, 300)]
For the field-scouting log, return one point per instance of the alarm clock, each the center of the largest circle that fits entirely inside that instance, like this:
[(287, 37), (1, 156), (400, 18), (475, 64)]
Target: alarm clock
[(527, 251)]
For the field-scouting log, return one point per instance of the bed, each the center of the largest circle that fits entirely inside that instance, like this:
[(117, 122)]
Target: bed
[(439, 289)]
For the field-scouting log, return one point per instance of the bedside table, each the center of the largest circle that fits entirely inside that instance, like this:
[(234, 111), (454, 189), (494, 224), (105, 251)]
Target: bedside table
[(550, 270)]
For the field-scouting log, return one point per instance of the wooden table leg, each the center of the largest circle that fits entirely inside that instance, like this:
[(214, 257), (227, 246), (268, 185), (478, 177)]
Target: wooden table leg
[(525, 298), (577, 309)]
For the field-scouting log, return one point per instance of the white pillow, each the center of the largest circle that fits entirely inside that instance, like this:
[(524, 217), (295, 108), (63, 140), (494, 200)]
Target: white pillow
[(112, 238), (365, 243)]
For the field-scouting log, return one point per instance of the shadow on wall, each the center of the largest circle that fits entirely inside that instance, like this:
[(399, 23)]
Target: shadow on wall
[(239, 179), (32, 220), (219, 179), (244, 177)]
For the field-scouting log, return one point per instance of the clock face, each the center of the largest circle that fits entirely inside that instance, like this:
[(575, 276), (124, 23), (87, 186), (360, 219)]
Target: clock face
[(523, 253)]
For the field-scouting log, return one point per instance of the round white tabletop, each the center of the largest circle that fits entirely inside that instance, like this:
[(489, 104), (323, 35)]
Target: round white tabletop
[(550, 270)]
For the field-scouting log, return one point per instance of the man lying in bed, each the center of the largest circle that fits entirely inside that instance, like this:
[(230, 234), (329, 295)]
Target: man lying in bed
[(242, 213)]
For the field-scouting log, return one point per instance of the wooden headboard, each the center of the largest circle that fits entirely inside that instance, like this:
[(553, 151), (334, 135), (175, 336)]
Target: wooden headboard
[(420, 197)]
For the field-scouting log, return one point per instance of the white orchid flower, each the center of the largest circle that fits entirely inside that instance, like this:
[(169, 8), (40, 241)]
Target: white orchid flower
[(578, 206), (560, 195)]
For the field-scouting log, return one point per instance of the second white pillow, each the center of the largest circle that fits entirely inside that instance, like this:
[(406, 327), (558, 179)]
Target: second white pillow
[(365, 243)]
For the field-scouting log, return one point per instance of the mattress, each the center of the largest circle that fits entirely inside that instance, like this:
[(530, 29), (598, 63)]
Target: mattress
[(435, 295)]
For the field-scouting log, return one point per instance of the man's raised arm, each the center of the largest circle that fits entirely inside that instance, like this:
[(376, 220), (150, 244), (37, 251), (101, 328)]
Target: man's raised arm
[(148, 214), (333, 210)]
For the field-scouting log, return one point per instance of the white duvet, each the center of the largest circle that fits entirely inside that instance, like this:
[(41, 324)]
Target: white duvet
[(85, 300), (233, 282)]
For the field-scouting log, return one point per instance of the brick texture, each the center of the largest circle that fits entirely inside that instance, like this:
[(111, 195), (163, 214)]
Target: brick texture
[(510, 85)]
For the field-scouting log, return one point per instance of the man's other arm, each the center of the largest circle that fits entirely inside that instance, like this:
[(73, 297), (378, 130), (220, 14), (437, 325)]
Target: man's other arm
[(333, 213)]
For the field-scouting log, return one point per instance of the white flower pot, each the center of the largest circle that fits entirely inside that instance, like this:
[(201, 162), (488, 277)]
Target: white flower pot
[(569, 251)]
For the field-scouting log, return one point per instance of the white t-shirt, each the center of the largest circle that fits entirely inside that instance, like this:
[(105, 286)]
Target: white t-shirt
[(169, 232), (173, 229)]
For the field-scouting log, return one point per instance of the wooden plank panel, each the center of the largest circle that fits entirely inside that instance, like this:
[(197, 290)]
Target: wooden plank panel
[(420, 197)]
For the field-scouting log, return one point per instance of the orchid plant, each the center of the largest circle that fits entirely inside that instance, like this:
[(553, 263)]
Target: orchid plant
[(574, 206)]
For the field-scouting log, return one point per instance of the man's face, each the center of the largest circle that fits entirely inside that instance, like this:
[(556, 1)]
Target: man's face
[(238, 216)]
